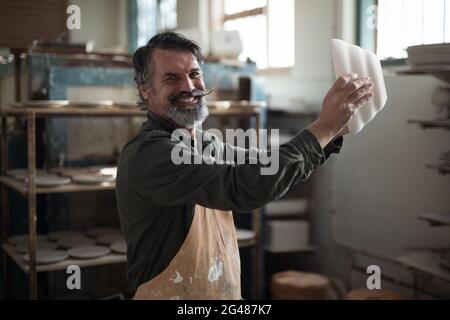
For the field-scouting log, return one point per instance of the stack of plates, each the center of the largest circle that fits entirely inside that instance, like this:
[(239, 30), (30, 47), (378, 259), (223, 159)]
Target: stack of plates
[(89, 252), (433, 54), (48, 256)]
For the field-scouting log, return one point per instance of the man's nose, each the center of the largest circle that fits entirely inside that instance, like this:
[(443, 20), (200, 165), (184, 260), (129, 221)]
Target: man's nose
[(187, 85)]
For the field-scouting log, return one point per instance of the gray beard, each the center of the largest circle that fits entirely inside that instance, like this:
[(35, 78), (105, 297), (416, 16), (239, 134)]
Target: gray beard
[(188, 117)]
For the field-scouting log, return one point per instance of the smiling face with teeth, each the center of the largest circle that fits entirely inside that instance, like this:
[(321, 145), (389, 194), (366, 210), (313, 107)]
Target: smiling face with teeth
[(176, 87)]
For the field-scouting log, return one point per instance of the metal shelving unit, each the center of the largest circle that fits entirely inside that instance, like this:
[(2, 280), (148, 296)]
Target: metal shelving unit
[(29, 189)]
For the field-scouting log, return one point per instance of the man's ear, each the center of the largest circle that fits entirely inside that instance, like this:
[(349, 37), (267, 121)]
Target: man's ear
[(145, 91)]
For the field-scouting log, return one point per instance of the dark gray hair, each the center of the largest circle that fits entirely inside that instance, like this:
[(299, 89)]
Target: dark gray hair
[(142, 58)]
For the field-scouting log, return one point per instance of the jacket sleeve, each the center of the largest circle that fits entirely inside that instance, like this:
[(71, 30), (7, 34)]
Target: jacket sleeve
[(154, 177)]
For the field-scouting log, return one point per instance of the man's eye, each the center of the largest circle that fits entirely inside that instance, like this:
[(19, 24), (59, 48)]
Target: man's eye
[(196, 74), (169, 79)]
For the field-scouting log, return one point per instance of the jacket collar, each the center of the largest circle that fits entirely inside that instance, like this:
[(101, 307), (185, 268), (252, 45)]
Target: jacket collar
[(156, 122)]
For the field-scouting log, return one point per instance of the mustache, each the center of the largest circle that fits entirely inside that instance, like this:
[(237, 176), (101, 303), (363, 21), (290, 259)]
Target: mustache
[(195, 93)]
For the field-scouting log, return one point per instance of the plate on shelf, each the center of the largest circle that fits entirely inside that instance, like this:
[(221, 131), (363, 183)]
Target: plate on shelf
[(46, 104), (21, 238), (219, 104), (89, 252), (41, 245), (22, 174), (245, 235), (91, 104), (287, 207), (57, 235), (119, 247), (99, 232), (75, 241), (112, 171), (110, 238), (50, 181), (68, 172), (48, 256), (127, 105), (92, 178)]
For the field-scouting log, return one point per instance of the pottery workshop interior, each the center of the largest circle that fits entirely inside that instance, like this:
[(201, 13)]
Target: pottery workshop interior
[(225, 149)]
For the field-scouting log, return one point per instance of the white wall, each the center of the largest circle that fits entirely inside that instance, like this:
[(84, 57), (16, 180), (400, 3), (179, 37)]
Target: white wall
[(378, 185), (381, 180), (102, 20)]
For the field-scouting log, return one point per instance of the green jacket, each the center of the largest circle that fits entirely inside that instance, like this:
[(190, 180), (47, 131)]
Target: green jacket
[(156, 197)]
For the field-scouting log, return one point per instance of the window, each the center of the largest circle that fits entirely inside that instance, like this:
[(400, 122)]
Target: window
[(266, 28), (167, 14), (404, 23)]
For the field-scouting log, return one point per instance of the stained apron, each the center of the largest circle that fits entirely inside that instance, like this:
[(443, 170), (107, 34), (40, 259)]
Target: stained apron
[(206, 267)]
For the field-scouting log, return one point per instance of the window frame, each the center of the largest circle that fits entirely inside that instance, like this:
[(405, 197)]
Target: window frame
[(218, 19), (367, 38)]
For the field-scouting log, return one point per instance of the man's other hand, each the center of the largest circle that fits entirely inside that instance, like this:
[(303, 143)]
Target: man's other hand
[(348, 93)]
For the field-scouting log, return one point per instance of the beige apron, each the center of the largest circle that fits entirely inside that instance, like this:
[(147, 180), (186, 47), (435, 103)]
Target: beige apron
[(207, 266)]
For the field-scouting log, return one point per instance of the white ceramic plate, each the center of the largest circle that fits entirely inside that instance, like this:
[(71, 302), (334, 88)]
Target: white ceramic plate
[(68, 172), (92, 179), (75, 241), (57, 235), (126, 105), (42, 104), (48, 256), (91, 104), (41, 245), (89, 252), (21, 238), (99, 232), (50, 181), (109, 171), (22, 174), (110, 238), (243, 235), (349, 58), (119, 247)]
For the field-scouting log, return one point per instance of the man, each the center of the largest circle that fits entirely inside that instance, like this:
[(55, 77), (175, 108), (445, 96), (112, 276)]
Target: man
[(177, 218)]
